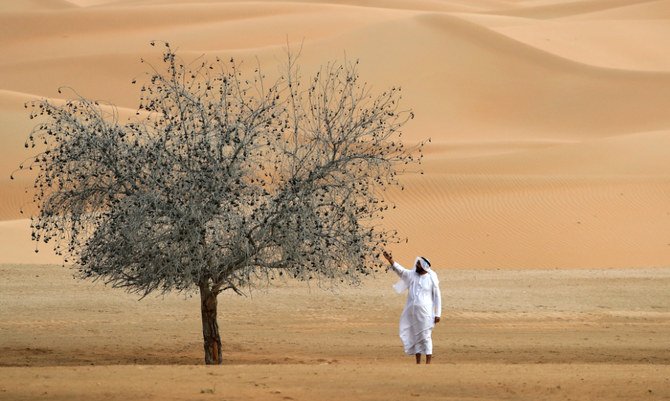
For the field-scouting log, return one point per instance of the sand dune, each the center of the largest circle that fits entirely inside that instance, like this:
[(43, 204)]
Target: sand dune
[(31, 5), (625, 156), (643, 10), (599, 202), (558, 9), (549, 119), (497, 221), (424, 5), (125, 20), (608, 43), (464, 74)]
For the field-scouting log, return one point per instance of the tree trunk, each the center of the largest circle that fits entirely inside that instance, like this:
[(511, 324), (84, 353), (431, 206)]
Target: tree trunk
[(210, 328)]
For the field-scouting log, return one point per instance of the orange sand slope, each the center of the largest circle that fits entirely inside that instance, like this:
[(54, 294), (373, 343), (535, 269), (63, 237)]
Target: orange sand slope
[(549, 119)]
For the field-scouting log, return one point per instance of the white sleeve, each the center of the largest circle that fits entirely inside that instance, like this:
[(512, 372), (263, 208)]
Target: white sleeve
[(437, 300), (399, 270)]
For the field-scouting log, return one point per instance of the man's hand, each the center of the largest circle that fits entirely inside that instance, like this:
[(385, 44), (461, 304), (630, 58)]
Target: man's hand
[(437, 319), (388, 257)]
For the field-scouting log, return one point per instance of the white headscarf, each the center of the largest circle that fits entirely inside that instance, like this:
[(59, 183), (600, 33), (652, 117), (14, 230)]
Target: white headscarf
[(425, 263), (402, 285)]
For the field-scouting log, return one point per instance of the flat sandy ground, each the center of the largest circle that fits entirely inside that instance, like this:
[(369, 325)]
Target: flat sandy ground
[(506, 334)]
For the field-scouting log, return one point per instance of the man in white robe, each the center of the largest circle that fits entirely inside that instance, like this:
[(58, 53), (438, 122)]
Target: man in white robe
[(423, 307)]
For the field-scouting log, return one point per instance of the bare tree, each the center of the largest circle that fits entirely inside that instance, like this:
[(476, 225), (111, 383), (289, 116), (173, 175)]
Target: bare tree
[(221, 181)]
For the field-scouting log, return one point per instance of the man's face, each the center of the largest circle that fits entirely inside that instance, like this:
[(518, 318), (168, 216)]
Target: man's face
[(418, 267)]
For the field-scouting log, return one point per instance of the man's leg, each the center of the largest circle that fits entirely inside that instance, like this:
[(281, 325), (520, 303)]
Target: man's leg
[(418, 357), (429, 349)]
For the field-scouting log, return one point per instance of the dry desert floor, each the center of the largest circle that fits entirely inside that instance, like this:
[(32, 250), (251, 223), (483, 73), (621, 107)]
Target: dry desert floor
[(505, 335)]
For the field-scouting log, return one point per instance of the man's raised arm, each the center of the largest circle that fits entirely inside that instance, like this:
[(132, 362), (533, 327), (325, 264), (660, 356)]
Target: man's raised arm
[(397, 268)]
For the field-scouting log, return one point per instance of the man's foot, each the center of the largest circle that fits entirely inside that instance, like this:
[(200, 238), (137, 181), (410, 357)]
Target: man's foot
[(418, 358), (428, 358)]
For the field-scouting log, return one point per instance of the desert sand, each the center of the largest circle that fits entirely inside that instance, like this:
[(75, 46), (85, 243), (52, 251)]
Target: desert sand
[(506, 334), (548, 119), (543, 203)]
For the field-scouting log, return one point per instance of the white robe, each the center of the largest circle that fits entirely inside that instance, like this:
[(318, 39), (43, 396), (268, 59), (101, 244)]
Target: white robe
[(424, 303)]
